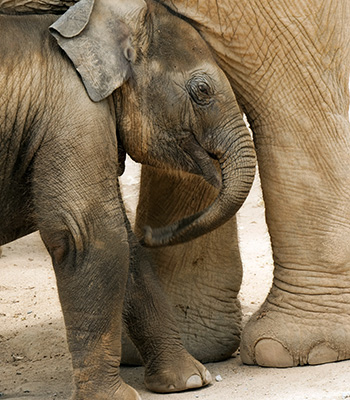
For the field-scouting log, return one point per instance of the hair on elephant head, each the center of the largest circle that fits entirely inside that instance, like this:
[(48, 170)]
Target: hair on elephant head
[(175, 107)]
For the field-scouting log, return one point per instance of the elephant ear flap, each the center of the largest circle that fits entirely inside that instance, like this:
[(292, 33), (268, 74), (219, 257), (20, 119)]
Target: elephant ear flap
[(98, 43), (74, 20)]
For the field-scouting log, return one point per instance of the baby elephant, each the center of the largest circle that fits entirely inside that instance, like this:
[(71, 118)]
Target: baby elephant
[(171, 107)]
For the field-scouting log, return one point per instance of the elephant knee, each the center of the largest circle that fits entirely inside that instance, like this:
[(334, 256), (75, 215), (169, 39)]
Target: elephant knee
[(59, 245)]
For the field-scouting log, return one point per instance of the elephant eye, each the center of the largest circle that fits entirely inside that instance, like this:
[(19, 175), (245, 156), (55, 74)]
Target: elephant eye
[(200, 90)]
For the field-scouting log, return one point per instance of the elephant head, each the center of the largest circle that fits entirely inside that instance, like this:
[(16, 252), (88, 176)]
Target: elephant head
[(175, 108)]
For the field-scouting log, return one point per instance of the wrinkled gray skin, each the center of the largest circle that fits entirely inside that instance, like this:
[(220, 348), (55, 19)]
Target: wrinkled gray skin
[(289, 64), (172, 107)]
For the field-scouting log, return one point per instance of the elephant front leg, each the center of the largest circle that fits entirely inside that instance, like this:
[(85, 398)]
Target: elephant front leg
[(150, 324), (200, 278), (88, 287), (91, 279), (306, 179), (153, 329), (289, 66), (82, 225)]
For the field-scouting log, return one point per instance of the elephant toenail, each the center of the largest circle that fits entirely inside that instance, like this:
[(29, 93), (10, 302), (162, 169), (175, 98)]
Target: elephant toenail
[(322, 354), (193, 382), (270, 353), (207, 377), (245, 355)]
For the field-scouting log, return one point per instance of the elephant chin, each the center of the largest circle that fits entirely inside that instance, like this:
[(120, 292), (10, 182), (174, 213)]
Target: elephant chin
[(237, 159)]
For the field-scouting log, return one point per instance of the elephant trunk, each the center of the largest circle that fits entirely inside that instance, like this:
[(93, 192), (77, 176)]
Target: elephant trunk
[(234, 150)]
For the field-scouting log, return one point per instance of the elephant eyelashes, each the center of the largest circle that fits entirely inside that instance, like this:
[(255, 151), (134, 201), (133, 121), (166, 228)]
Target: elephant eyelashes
[(200, 90)]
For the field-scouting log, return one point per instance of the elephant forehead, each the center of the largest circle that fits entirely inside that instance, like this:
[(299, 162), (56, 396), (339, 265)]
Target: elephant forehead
[(157, 67), (178, 41), (179, 70)]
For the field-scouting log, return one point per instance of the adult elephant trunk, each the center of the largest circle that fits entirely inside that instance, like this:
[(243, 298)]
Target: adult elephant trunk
[(233, 147)]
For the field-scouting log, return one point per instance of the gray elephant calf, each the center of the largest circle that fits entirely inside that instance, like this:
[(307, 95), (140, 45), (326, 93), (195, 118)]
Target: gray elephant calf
[(172, 107)]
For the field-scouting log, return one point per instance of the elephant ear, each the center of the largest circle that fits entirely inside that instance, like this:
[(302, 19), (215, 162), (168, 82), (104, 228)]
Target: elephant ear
[(98, 37)]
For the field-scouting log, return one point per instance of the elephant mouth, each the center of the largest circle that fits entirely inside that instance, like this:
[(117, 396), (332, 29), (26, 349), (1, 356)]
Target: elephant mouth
[(202, 163)]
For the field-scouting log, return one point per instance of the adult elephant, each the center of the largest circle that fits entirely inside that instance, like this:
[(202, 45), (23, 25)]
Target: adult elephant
[(171, 106), (288, 63)]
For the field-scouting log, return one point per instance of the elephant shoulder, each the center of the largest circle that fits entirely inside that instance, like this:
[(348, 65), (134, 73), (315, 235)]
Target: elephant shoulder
[(26, 41)]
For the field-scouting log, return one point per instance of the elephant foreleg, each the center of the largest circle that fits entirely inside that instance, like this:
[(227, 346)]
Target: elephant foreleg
[(81, 222), (150, 324), (306, 316), (298, 105), (288, 63)]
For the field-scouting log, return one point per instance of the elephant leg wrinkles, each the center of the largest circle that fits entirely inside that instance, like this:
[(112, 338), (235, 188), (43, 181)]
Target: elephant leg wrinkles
[(150, 324), (305, 318), (81, 222), (302, 137)]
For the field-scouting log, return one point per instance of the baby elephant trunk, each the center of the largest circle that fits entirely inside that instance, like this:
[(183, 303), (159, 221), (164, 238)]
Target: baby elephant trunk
[(234, 150)]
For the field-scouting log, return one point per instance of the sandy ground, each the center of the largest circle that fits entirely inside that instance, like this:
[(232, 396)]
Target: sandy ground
[(35, 363)]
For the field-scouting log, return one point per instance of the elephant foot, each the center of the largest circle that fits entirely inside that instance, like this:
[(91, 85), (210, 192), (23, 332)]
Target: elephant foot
[(178, 373), (285, 337), (124, 392)]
